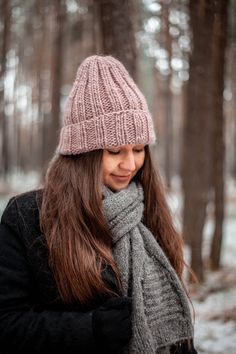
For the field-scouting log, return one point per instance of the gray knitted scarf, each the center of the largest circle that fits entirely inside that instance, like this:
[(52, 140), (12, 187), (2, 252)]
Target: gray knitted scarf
[(160, 314)]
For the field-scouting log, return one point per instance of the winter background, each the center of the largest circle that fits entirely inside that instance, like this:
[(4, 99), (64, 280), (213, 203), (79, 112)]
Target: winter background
[(214, 301)]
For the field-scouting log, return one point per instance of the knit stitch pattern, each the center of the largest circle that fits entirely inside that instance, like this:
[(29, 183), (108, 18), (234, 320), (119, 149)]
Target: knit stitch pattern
[(105, 108), (160, 309)]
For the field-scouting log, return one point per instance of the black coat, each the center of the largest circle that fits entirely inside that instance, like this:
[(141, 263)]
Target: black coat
[(33, 319)]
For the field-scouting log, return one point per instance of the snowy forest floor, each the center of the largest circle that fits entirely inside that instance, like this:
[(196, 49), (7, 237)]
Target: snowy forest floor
[(215, 313), (214, 301)]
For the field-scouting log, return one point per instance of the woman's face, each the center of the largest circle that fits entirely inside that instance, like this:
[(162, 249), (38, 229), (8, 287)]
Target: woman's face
[(120, 165)]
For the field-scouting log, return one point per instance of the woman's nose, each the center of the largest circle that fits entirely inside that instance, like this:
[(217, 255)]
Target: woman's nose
[(128, 163)]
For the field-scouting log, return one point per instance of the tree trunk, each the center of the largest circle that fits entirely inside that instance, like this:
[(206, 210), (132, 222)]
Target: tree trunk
[(5, 19), (56, 75), (116, 31), (197, 136), (41, 45), (219, 48), (233, 81), (168, 100)]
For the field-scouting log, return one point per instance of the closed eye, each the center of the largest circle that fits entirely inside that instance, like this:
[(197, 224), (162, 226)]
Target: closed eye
[(113, 152)]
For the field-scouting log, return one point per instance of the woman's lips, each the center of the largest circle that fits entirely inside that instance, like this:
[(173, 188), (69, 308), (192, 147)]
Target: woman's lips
[(121, 178)]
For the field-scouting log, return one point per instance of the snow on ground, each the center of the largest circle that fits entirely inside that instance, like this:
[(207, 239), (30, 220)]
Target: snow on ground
[(215, 304), (215, 301), (213, 332)]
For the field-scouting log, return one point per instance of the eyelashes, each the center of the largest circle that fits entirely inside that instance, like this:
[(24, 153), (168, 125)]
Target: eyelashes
[(117, 152), (113, 152)]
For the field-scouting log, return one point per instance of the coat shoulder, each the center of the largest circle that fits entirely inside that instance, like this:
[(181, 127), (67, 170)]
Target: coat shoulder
[(23, 207), (28, 199)]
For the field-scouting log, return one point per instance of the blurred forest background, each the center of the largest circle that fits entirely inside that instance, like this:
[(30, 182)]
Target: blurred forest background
[(181, 53)]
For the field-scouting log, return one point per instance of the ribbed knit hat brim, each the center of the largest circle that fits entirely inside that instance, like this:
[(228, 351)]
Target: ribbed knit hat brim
[(105, 108), (130, 127)]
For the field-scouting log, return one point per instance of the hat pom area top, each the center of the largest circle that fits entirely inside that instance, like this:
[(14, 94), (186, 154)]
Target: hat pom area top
[(105, 108)]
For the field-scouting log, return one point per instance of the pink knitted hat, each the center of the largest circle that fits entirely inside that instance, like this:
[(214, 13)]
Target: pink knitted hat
[(105, 108)]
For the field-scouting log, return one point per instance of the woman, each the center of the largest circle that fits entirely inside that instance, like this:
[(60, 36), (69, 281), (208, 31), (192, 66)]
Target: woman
[(92, 262)]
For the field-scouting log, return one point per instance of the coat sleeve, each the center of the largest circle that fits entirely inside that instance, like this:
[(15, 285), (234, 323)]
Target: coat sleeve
[(22, 329)]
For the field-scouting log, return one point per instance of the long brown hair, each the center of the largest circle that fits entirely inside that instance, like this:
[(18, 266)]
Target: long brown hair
[(77, 235), (157, 214)]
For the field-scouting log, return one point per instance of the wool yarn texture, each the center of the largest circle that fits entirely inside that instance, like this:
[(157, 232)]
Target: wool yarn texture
[(105, 108), (160, 307)]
